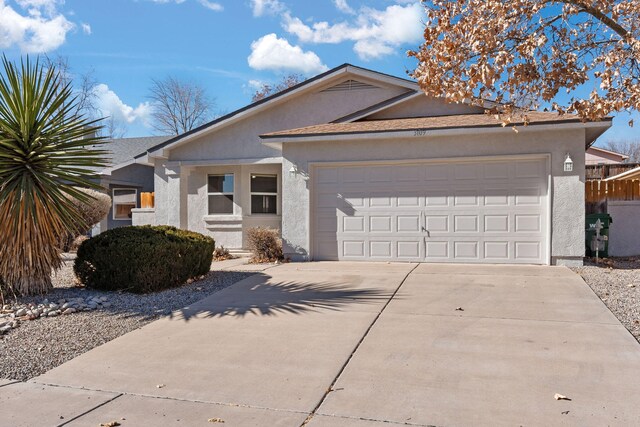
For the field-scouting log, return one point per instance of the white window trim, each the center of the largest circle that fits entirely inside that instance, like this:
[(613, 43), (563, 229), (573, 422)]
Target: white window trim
[(113, 197), (217, 193), (277, 194)]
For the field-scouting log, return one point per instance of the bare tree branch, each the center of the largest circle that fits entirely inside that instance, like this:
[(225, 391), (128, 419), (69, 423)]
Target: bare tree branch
[(285, 82), (179, 106)]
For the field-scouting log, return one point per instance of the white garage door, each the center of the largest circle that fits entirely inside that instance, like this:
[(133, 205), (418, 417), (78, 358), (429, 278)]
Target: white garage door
[(491, 211)]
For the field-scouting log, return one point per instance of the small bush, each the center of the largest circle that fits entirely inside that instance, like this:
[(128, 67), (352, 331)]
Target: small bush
[(222, 254), (91, 213), (143, 259), (265, 243)]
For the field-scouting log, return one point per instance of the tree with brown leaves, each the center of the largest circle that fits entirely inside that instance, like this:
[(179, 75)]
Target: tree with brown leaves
[(524, 53)]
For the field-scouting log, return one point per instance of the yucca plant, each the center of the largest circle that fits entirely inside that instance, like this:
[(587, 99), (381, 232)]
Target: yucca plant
[(46, 156)]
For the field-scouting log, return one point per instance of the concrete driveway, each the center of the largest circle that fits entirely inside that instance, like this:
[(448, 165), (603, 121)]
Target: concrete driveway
[(356, 344)]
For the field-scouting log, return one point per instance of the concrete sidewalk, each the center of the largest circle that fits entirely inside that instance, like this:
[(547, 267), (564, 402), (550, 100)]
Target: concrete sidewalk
[(342, 344)]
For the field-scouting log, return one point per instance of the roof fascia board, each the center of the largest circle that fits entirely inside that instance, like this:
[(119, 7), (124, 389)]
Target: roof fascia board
[(625, 175), (624, 156), (222, 162), (276, 141), (381, 77)]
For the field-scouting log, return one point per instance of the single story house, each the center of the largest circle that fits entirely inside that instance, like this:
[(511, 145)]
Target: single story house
[(358, 165), (600, 156), (124, 179)]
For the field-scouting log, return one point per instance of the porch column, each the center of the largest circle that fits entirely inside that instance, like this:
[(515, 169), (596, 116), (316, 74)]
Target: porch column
[(177, 196)]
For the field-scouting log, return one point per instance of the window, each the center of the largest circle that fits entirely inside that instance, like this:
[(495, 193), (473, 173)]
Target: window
[(220, 192), (264, 194), (124, 199)]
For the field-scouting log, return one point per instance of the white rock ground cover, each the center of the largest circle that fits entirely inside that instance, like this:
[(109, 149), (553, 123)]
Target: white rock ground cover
[(616, 281), (40, 333)]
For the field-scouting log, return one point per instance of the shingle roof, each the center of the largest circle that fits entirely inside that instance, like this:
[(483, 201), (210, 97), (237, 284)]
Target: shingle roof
[(419, 123), (125, 149)]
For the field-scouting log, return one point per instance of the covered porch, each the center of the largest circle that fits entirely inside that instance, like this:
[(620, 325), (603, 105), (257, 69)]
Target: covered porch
[(222, 199)]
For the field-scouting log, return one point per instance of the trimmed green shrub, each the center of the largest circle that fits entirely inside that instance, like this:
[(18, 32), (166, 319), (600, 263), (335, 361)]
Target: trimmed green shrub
[(265, 244), (143, 259)]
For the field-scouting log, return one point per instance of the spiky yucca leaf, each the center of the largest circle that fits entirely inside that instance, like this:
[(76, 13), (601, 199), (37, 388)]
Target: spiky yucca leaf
[(45, 156)]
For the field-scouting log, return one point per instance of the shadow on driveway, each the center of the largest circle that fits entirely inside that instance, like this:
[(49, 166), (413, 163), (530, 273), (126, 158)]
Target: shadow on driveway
[(263, 298)]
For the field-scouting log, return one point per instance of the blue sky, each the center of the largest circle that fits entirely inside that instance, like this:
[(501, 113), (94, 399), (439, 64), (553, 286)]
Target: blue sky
[(228, 46)]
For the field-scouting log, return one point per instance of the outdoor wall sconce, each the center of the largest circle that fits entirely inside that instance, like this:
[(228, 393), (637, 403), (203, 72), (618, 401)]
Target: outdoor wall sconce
[(293, 171), (568, 164)]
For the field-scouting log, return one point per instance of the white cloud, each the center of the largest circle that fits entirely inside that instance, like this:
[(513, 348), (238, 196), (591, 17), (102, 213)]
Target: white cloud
[(343, 6), (216, 7), (376, 33), (38, 28), (110, 105), (86, 28), (271, 7), (276, 54), (211, 5), (255, 84)]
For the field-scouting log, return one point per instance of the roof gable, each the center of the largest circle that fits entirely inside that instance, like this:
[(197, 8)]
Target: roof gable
[(360, 78)]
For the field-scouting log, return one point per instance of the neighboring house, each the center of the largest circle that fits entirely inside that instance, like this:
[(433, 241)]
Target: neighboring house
[(125, 179), (358, 165), (600, 156)]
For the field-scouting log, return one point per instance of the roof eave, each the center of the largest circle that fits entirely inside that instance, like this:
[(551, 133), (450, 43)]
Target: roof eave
[(278, 140)]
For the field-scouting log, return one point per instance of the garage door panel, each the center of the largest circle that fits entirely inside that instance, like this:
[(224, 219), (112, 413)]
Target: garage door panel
[(353, 248), (437, 250), (492, 211), (408, 223), (465, 223), (409, 200), (498, 251), (527, 250), (530, 169), (408, 249), (352, 224), (496, 223), (437, 223), (467, 250), (497, 171), (381, 249), (380, 224), (466, 198), (528, 197), (527, 223), (437, 199)]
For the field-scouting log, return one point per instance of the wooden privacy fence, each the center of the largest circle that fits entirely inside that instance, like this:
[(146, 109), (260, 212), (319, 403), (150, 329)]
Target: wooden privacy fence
[(147, 200), (601, 191)]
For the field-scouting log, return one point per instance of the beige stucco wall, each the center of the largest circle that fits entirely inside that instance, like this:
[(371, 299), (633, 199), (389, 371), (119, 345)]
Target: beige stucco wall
[(424, 106), (241, 140), (567, 189)]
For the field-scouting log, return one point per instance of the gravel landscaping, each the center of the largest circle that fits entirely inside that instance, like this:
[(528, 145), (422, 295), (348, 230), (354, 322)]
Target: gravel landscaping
[(36, 346), (617, 282)]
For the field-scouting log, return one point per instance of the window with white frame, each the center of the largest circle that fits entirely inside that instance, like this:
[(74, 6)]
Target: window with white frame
[(124, 199), (220, 191), (264, 194)]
